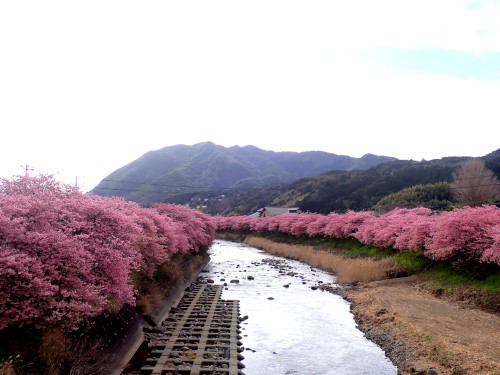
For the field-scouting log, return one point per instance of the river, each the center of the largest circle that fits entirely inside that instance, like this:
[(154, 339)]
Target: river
[(293, 326)]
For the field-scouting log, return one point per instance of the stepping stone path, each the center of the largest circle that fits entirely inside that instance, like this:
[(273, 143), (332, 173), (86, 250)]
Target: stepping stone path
[(201, 337)]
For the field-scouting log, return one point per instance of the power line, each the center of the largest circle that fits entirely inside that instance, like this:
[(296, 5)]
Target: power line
[(472, 186), (213, 189), (130, 190), (476, 177), (181, 186), (167, 185), (224, 188)]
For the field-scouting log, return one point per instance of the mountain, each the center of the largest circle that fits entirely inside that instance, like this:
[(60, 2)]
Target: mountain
[(169, 173)]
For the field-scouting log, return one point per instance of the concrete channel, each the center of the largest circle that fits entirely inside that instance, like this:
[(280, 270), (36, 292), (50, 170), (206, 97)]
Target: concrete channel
[(201, 336)]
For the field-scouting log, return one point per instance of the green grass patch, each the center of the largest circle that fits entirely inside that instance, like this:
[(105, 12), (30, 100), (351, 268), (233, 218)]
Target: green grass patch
[(348, 247), (352, 248), (492, 283), (485, 276), (480, 276), (479, 284), (355, 249), (412, 259)]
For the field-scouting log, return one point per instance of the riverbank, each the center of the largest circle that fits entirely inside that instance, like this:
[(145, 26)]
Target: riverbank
[(127, 345), (420, 330)]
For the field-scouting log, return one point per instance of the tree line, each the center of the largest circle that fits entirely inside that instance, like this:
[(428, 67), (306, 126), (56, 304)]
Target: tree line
[(464, 234), (66, 256)]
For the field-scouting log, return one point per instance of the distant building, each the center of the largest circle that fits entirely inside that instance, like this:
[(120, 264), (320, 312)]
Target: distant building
[(275, 211)]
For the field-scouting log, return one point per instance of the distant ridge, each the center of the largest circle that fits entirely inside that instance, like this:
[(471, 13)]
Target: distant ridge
[(162, 174), (357, 190)]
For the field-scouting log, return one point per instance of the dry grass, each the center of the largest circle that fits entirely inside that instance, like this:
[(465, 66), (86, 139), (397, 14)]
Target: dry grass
[(7, 369), (347, 270), (61, 354), (236, 237), (147, 302), (90, 359), (7, 365), (152, 290), (55, 351)]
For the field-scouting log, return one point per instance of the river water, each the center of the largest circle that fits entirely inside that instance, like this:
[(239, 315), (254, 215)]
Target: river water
[(293, 327)]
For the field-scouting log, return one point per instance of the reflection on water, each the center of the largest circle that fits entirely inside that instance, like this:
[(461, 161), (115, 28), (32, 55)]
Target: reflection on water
[(291, 328)]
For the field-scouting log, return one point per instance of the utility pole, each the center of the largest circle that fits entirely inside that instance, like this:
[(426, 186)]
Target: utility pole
[(27, 169)]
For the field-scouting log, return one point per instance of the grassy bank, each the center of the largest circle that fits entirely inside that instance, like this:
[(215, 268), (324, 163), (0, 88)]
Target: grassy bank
[(347, 270), (473, 283)]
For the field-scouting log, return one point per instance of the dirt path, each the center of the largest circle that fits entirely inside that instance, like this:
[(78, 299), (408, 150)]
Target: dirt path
[(420, 332)]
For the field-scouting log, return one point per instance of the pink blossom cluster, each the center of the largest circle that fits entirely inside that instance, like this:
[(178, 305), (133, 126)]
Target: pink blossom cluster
[(465, 233), (65, 255)]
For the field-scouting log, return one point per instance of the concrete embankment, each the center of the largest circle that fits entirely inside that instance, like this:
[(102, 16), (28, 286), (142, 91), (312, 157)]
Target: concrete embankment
[(200, 337), (132, 337)]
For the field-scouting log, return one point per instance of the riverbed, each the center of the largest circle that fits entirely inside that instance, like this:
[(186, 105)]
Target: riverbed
[(294, 325)]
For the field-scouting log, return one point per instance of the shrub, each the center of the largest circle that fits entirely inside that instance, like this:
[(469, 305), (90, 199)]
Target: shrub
[(467, 233), (65, 256)]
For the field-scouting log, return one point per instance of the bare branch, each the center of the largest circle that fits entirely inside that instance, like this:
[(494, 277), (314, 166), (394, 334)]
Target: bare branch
[(474, 184)]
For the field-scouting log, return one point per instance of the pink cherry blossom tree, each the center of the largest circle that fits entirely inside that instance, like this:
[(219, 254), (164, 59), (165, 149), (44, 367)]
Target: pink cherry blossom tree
[(384, 230), (317, 226), (301, 224), (74, 254), (65, 255), (197, 229), (468, 233)]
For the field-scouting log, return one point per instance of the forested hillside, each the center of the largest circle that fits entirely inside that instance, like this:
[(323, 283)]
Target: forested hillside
[(163, 174), (424, 183), (240, 180)]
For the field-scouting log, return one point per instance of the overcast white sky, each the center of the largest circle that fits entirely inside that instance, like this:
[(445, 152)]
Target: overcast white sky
[(89, 86)]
